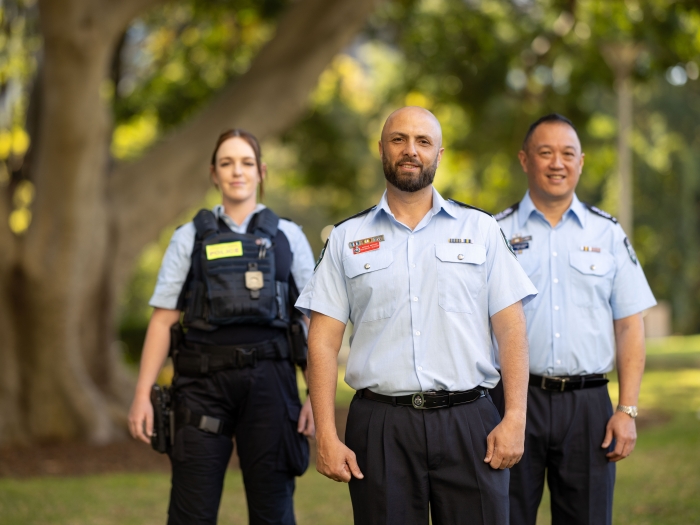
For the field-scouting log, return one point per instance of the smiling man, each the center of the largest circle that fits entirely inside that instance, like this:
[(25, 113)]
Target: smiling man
[(423, 280), (592, 291)]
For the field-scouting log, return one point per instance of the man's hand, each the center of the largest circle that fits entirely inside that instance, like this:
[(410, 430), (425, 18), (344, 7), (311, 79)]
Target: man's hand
[(506, 443), (336, 461), (622, 428), (141, 419), (306, 419)]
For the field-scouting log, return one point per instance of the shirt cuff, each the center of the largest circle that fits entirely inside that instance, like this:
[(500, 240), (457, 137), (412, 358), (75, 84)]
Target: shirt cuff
[(308, 306)]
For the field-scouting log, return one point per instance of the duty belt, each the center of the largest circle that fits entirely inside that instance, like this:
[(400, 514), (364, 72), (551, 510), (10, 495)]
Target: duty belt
[(566, 383), (192, 359), (427, 400)]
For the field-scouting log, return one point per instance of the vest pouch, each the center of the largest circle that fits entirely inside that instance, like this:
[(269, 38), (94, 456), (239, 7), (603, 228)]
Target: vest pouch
[(225, 260), (194, 302)]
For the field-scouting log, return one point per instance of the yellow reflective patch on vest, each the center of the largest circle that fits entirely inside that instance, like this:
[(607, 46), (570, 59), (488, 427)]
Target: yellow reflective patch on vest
[(226, 249)]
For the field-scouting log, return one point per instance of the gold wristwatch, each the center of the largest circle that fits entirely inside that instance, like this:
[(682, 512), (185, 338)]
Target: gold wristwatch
[(631, 411)]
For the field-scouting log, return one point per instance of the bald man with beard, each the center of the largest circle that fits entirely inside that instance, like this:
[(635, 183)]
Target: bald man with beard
[(424, 281)]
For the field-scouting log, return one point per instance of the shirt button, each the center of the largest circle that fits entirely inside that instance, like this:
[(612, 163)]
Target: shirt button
[(556, 307), (415, 298), (413, 266), (556, 280), (460, 257), (556, 335), (420, 368), (367, 266), (558, 361), (554, 254), (592, 266), (417, 332)]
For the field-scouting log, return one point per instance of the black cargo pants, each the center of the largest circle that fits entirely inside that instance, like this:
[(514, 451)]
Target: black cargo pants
[(262, 404)]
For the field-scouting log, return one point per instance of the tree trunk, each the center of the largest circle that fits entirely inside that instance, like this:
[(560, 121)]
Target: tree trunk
[(59, 284)]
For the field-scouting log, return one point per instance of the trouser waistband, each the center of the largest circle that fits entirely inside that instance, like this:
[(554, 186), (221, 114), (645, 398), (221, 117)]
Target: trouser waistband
[(427, 400)]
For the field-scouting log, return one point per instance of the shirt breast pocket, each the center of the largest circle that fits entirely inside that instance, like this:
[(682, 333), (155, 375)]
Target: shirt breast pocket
[(461, 275), (591, 278), (371, 284)]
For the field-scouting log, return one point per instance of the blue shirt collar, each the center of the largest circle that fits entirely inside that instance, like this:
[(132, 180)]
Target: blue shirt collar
[(527, 207), (238, 228), (439, 204)]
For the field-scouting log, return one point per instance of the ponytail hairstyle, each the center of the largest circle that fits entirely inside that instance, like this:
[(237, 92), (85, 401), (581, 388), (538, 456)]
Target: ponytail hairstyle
[(252, 142)]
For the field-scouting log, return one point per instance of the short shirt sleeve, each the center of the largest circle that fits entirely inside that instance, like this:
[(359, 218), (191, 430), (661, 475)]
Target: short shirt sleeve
[(326, 292), (506, 280), (630, 293), (174, 268), (302, 255)]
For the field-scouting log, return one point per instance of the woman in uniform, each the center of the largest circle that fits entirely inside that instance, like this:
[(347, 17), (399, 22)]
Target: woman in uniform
[(235, 273)]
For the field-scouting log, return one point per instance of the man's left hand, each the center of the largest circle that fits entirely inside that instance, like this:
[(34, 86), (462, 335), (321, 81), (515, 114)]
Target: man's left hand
[(506, 443), (306, 420), (622, 428)]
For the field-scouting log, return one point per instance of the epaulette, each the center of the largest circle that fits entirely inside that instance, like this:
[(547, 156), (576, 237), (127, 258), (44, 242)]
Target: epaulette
[(600, 212), (507, 212), (364, 212), (464, 205), (323, 251)]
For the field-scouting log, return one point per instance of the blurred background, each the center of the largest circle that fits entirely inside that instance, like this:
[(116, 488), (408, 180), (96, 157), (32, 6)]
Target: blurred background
[(108, 115)]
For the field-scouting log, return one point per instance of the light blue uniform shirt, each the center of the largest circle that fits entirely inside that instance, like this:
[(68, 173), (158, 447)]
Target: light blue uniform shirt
[(420, 305), (587, 274), (178, 257)]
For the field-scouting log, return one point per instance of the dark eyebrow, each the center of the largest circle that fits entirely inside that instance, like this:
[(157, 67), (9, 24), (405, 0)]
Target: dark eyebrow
[(552, 147), (394, 134), (226, 157)]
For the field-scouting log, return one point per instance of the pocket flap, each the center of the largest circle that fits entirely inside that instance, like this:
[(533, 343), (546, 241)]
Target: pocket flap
[(461, 253), (591, 263), (355, 265)]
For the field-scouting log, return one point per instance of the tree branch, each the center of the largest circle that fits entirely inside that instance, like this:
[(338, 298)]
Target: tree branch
[(150, 193)]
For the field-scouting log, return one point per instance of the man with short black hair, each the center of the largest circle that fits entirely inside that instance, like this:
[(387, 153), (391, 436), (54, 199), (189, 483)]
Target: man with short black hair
[(592, 291)]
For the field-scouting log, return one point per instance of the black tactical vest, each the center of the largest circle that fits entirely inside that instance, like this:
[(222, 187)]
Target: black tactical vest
[(232, 280)]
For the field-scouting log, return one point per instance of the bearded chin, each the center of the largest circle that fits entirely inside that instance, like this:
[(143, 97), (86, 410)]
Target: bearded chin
[(409, 183)]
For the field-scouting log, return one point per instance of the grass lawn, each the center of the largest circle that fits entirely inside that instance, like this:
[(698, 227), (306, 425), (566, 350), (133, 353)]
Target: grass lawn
[(658, 485)]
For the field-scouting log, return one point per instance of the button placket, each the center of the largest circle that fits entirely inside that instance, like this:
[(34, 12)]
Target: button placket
[(414, 283)]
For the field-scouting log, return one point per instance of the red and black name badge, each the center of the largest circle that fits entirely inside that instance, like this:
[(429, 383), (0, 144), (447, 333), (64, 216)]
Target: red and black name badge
[(366, 245)]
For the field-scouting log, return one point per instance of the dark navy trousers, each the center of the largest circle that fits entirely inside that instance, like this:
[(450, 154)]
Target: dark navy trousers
[(263, 405), (425, 463), (563, 435)]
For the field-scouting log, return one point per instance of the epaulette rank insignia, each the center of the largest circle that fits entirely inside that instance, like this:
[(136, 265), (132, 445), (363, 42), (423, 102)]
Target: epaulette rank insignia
[(601, 213), (507, 212)]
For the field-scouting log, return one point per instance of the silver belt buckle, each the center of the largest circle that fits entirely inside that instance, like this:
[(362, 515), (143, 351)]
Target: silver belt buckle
[(418, 401)]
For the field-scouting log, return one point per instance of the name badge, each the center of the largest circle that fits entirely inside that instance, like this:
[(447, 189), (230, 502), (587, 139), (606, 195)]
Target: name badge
[(366, 245), (223, 250)]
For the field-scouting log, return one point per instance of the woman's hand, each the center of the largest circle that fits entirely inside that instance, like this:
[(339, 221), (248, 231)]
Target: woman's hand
[(306, 419), (141, 419)]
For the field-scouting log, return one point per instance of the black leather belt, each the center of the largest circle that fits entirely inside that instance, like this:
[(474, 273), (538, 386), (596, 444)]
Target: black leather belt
[(426, 400), (192, 359), (566, 383)]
